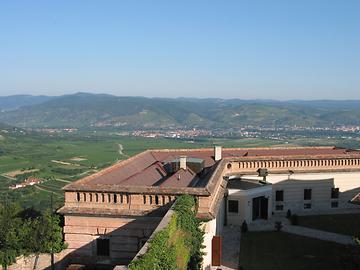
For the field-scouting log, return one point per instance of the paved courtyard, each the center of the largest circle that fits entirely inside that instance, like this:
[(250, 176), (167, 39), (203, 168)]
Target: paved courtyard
[(230, 248)]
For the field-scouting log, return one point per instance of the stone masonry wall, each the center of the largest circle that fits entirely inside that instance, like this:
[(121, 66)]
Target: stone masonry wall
[(39, 262), (126, 237)]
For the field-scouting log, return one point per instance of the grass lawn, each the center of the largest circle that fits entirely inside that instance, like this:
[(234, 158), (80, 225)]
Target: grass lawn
[(282, 251), (348, 224)]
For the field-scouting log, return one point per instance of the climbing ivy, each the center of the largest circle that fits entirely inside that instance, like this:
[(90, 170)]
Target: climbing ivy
[(179, 245), (185, 207)]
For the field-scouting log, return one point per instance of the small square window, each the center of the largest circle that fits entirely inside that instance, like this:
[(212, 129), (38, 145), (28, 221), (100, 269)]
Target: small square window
[(307, 205), (102, 247), (334, 204), (334, 193), (279, 196), (307, 194), (233, 206), (279, 207)]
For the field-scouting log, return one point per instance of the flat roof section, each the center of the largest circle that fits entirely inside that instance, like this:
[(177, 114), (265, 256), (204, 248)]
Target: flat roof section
[(245, 184)]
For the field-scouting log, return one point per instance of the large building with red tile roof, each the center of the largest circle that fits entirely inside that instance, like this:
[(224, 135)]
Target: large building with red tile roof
[(110, 214)]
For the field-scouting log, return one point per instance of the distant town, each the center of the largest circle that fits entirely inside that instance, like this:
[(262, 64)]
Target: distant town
[(272, 133)]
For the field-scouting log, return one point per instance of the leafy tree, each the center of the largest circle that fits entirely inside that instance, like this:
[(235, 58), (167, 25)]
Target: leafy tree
[(25, 232), (50, 233), (10, 239), (29, 213)]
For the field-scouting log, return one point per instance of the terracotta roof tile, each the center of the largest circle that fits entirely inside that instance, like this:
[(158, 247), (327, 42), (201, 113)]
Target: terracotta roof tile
[(182, 178), (122, 173), (148, 168)]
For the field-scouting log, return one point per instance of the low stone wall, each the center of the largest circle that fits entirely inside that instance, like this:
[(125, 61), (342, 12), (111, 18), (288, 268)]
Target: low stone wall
[(39, 262)]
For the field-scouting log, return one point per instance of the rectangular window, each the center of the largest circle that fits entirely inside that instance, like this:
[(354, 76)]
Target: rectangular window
[(307, 205), (233, 206), (307, 194), (334, 193), (334, 204), (279, 207), (279, 196), (103, 247)]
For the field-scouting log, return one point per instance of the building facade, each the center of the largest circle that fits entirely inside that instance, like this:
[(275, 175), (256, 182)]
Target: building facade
[(111, 214)]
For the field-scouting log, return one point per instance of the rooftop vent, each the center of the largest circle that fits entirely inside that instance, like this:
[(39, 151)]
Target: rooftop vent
[(195, 164), (263, 172), (182, 162), (217, 153)]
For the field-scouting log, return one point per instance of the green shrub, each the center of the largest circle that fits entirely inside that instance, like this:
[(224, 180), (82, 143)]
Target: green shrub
[(294, 220), (278, 226)]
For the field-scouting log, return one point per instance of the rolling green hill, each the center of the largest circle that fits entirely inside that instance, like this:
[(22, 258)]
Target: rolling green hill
[(84, 110)]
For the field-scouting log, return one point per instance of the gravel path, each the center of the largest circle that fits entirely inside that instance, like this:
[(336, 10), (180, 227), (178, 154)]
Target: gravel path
[(121, 149)]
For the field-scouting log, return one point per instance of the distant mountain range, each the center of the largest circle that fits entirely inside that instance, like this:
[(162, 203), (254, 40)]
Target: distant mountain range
[(83, 110), (17, 101)]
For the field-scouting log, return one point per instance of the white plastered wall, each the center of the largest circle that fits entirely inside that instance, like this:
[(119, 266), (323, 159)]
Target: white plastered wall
[(210, 231), (321, 184), (212, 228), (245, 199)]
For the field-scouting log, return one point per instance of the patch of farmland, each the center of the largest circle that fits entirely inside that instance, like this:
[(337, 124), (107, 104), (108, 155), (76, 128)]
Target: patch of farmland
[(51, 187), (78, 159), (65, 163), (19, 172)]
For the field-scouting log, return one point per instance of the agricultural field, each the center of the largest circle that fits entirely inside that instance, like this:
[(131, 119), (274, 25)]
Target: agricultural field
[(59, 159)]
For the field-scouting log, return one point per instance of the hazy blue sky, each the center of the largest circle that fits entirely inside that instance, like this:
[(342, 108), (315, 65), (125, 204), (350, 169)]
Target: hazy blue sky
[(243, 49)]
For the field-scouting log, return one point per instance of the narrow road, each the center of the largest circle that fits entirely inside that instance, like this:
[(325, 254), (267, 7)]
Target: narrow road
[(8, 177), (62, 180), (86, 172), (43, 189), (121, 149)]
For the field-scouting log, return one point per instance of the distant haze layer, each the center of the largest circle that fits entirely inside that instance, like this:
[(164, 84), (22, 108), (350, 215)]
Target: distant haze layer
[(84, 110)]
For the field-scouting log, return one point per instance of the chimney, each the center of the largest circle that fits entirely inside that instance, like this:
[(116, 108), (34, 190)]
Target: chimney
[(217, 153), (182, 162)]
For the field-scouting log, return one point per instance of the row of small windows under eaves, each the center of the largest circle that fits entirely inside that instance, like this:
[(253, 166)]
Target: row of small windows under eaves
[(157, 199), (102, 197), (298, 163)]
